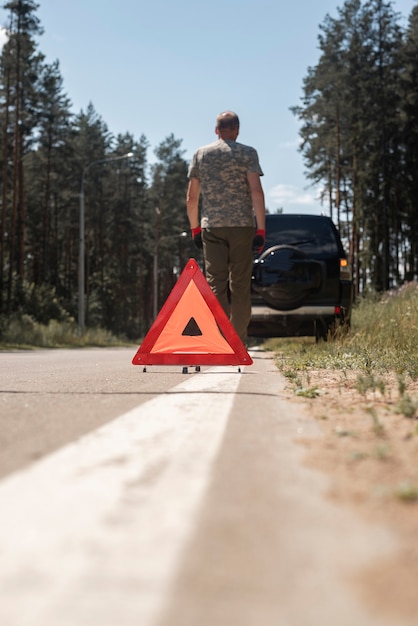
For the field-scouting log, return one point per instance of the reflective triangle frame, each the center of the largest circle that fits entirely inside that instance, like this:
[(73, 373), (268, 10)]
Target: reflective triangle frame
[(192, 303)]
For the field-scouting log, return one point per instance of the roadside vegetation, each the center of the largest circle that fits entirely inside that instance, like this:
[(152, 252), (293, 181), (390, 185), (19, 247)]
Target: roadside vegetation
[(60, 167), (362, 388), (25, 333), (383, 340), (43, 322)]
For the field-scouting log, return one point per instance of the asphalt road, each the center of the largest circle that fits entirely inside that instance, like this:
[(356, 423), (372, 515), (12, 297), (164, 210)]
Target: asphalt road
[(168, 499)]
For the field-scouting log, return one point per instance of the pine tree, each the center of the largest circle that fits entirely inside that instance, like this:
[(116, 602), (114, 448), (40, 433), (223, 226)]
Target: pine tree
[(45, 180), (350, 132), (409, 127), (167, 196), (381, 152), (19, 69)]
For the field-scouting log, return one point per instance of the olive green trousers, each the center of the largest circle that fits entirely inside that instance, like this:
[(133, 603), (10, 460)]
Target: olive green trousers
[(228, 265)]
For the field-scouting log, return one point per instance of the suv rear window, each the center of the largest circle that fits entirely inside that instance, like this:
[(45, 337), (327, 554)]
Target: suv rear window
[(314, 235)]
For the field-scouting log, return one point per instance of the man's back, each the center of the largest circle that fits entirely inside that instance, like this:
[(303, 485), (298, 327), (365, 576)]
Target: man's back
[(227, 175), (222, 169)]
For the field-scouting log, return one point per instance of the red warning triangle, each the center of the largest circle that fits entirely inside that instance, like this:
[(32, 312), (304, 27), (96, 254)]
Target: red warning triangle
[(192, 328)]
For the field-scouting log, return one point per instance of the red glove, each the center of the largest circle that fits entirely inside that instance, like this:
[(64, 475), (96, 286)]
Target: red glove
[(259, 241), (197, 237)]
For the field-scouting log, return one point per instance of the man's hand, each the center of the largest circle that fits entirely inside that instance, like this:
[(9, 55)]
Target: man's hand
[(197, 237), (259, 241)]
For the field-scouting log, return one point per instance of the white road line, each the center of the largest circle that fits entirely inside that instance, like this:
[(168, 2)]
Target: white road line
[(92, 534)]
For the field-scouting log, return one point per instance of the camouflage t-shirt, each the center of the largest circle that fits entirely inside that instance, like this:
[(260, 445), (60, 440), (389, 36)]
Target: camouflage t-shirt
[(222, 169)]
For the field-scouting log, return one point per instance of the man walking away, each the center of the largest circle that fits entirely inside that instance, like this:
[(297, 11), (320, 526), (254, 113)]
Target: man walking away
[(232, 225)]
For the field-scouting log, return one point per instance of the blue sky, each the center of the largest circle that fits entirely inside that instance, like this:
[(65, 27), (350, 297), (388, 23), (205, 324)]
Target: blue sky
[(163, 67)]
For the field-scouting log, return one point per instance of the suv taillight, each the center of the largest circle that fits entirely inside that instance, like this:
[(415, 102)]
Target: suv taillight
[(345, 270)]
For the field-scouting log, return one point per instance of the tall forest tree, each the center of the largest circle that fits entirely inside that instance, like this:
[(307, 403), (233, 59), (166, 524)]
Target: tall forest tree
[(409, 129), (118, 264), (20, 65), (131, 211), (47, 179), (167, 195), (359, 121), (350, 132)]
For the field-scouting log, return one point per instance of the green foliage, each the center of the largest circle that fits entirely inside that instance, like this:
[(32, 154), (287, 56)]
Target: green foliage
[(308, 392), (407, 491), (24, 332), (377, 426), (407, 406), (383, 338), (47, 155), (368, 382), (39, 302), (358, 123), (382, 452), (359, 140)]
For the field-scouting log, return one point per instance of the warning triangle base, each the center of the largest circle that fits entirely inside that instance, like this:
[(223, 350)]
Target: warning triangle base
[(192, 328)]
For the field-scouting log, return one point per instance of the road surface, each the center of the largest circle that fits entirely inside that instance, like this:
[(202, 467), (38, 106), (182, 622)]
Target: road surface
[(168, 499)]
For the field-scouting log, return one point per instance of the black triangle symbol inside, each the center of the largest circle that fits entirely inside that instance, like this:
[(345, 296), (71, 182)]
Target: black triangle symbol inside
[(192, 329)]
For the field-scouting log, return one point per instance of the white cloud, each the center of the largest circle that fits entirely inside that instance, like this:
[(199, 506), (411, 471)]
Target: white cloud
[(294, 200), (289, 194), (3, 36), (292, 144)]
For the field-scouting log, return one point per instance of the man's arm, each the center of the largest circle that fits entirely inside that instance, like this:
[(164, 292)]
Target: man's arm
[(192, 202), (257, 196)]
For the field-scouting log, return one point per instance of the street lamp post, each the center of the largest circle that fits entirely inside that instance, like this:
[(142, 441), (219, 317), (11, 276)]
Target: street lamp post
[(155, 269), (82, 248)]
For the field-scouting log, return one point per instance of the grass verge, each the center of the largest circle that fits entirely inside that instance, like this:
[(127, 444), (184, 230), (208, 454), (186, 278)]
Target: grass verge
[(363, 390), (25, 333), (383, 339)]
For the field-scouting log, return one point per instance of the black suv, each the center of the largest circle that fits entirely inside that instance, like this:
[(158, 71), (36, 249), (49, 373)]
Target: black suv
[(302, 282)]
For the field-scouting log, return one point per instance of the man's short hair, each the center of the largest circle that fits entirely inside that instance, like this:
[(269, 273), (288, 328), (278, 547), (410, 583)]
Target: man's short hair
[(227, 119)]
